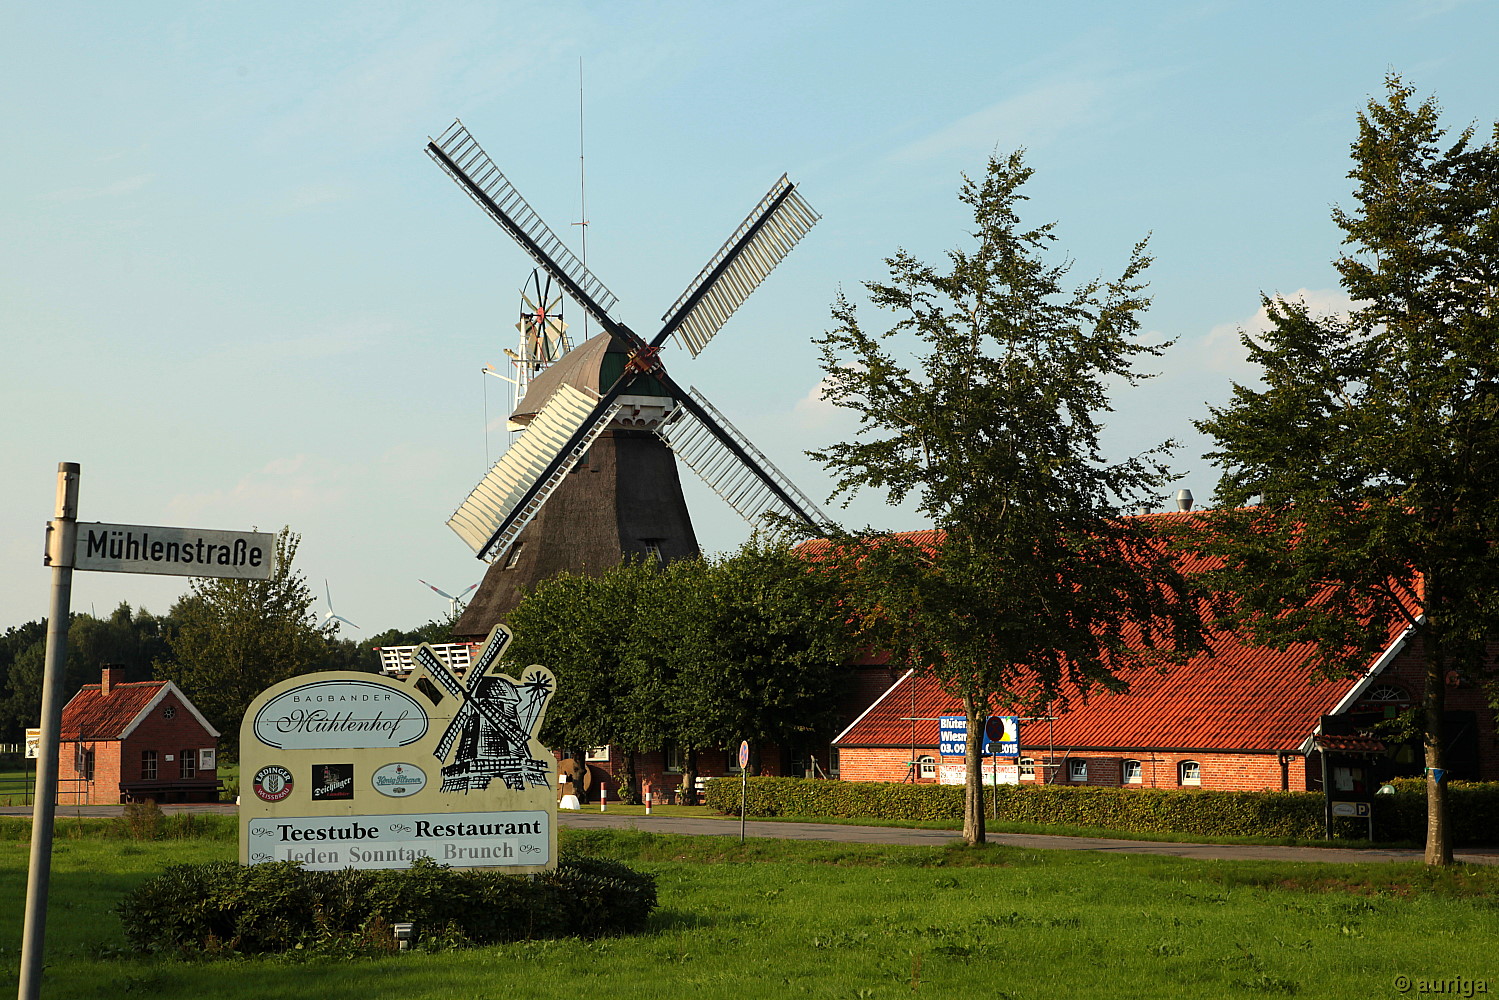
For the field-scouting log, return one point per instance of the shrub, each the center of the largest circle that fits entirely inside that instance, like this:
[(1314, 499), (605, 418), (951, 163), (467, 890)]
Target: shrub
[(1398, 817), (226, 908)]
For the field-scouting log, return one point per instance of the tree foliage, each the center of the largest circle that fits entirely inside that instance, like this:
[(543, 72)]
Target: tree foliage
[(1033, 585), (235, 638), (699, 654), (1372, 449), (129, 638)]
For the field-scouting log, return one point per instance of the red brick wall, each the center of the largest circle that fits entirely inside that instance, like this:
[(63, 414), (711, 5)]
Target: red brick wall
[(1232, 772), (1408, 671)]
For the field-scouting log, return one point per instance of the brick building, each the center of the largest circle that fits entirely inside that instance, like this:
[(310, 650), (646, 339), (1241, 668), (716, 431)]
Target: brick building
[(124, 742), (1243, 718)]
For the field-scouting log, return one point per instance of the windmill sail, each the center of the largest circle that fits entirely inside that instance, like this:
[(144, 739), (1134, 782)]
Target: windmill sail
[(523, 478), (732, 467), (458, 153), (766, 236)]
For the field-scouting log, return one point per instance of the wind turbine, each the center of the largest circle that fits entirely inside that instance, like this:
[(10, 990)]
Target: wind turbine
[(452, 601), (331, 616)]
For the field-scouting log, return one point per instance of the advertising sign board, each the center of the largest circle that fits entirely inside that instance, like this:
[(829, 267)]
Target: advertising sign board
[(952, 735), (343, 769)]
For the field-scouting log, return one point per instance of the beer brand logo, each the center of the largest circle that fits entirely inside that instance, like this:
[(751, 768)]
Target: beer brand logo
[(399, 780), (272, 783), (332, 781)]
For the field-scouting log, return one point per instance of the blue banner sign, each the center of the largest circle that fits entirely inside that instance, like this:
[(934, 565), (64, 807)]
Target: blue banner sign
[(952, 735)]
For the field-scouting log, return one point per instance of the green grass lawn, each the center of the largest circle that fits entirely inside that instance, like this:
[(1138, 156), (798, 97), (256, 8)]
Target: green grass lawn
[(779, 919)]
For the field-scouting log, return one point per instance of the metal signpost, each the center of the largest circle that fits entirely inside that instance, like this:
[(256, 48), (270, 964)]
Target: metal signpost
[(109, 548), (743, 784)]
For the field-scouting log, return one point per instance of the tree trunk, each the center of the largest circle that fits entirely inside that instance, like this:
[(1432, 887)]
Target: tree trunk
[(973, 797), (1434, 708), (627, 786), (689, 778)]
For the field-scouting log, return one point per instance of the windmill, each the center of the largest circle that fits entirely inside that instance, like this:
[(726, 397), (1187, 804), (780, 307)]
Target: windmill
[(493, 725), (610, 405), (543, 337), (452, 601), (331, 616)]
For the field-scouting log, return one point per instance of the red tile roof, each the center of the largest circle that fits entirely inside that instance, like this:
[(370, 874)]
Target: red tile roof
[(92, 716), (1238, 698)]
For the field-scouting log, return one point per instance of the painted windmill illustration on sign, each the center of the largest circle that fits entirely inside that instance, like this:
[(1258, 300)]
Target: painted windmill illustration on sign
[(490, 733), (609, 406)]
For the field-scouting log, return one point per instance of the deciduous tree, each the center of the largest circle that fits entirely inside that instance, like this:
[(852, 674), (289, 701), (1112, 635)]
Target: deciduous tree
[(1372, 447), (1034, 585), (235, 638)]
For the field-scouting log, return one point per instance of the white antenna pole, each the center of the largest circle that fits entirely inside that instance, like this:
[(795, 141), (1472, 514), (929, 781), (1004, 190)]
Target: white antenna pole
[(582, 185)]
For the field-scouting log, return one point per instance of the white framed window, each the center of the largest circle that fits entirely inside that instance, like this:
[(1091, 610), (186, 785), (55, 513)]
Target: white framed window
[(148, 765), (596, 755), (1077, 769), (676, 760), (1189, 772), (926, 767), (186, 762), (513, 556), (1028, 768), (1133, 772)]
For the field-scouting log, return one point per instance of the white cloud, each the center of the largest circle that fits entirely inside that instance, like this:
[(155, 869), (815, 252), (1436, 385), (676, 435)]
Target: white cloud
[(1030, 119), (283, 491), (123, 186), (1221, 350)]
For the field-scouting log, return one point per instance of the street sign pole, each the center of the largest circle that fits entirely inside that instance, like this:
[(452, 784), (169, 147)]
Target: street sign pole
[(743, 784), (62, 537)]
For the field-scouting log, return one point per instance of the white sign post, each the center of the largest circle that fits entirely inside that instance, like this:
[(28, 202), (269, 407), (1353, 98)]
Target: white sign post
[(108, 548)]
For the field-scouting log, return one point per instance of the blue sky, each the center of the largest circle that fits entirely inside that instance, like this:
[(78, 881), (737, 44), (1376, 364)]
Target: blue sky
[(234, 289)]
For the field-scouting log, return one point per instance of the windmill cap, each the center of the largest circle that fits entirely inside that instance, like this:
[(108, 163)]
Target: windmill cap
[(593, 366)]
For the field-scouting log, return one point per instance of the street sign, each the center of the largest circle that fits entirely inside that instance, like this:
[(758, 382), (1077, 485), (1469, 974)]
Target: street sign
[(952, 735), (33, 740), (138, 548), (1359, 810), (743, 754), (1002, 736)]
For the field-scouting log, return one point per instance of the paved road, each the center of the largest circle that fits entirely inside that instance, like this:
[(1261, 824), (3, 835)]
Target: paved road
[(896, 835), (691, 825)]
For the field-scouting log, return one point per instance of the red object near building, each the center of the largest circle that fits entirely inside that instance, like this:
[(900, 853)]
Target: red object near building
[(133, 741)]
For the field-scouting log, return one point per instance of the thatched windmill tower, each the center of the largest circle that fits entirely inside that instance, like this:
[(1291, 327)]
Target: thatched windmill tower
[(592, 479)]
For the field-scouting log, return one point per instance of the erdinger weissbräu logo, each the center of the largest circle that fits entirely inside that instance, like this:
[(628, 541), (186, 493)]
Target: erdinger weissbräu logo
[(494, 722), (332, 781), (272, 783), (399, 780)]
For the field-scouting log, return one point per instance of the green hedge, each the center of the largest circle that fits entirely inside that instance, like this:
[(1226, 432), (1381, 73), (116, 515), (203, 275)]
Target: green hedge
[(1398, 817), (226, 908)]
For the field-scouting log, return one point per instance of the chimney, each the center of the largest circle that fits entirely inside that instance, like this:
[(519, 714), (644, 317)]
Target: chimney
[(111, 675), (1184, 500)]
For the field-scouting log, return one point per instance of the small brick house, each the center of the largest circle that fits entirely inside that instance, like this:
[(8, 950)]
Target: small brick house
[(133, 741)]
